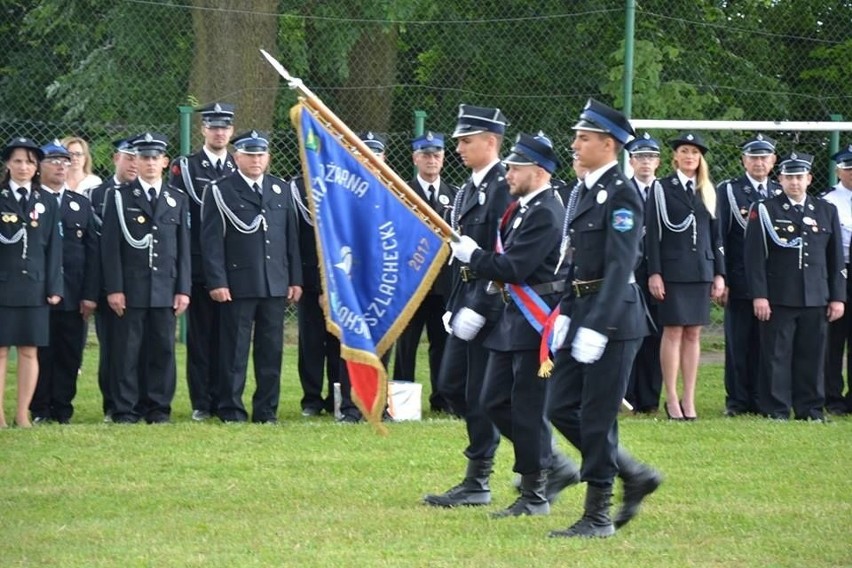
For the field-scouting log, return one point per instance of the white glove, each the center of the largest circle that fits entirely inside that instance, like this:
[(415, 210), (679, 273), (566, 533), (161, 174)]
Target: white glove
[(463, 249), (467, 324), (294, 83), (588, 345), (446, 319), (560, 331)]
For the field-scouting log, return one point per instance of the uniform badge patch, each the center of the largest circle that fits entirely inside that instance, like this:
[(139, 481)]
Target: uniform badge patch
[(74, 206), (622, 220)]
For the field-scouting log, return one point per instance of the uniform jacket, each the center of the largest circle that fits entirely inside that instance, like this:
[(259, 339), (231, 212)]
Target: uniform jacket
[(642, 268), (674, 255), (31, 280), (80, 264), (148, 279), (200, 173), (307, 237), (605, 233), (731, 227), (478, 216), (442, 206), (773, 271), (531, 237), (261, 264)]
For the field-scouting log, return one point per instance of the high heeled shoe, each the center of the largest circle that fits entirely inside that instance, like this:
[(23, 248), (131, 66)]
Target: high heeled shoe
[(685, 417), (669, 414)]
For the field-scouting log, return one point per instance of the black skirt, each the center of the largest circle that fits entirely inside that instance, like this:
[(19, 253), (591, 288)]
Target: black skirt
[(686, 303), (24, 326)]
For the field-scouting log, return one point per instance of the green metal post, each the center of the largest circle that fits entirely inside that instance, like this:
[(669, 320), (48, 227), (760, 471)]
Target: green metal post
[(419, 127), (185, 143), (833, 148), (629, 33)]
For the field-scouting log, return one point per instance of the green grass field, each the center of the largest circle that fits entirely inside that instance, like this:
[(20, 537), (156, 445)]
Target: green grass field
[(310, 492)]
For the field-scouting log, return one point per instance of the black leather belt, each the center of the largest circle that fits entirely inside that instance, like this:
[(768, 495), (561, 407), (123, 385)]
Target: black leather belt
[(555, 287), (467, 275), (587, 287)]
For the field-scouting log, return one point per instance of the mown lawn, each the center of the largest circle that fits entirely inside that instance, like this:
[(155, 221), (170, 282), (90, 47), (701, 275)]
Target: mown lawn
[(310, 492)]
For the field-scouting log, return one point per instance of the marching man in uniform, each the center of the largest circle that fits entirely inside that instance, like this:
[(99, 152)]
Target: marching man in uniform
[(145, 253), (796, 275)]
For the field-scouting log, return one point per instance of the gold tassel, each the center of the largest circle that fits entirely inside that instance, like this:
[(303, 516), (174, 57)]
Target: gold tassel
[(546, 368)]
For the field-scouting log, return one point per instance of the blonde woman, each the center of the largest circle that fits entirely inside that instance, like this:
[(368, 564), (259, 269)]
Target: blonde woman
[(80, 177), (685, 266)]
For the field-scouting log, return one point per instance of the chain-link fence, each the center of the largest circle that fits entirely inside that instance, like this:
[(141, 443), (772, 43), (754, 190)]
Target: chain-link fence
[(104, 68)]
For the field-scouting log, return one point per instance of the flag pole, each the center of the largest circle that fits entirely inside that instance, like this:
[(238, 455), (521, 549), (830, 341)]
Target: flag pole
[(399, 185)]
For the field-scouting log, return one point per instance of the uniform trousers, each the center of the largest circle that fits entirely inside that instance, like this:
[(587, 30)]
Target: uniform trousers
[(452, 381), (265, 316), (515, 398), (839, 339), (143, 378), (646, 377), (742, 356), (202, 349), (319, 354), (793, 352), (483, 436), (58, 366), (105, 330), (428, 315), (584, 402)]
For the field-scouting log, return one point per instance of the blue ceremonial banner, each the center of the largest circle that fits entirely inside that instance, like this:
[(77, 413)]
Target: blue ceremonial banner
[(378, 257)]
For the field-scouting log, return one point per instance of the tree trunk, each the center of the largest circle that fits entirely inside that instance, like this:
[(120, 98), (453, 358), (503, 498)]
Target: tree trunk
[(227, 64)]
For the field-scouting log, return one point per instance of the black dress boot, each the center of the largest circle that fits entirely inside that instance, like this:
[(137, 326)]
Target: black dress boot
[(639, 482), (472, 491), (595, 522), (533, 498), (563, 473)]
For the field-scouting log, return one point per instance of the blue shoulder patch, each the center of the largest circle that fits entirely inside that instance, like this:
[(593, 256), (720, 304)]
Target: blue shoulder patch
[(622, 220)]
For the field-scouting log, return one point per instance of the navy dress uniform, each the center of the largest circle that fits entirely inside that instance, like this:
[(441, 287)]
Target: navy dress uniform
[(840, 331), (104, 316), (794, 259), (646, 378), (145, 254), (440, 196), (61, 359), (192, 174), (478, 207), (601, 324), (682, 245), (249, 236), (734, 198), (30, 256), (525, 270), (319, 350)]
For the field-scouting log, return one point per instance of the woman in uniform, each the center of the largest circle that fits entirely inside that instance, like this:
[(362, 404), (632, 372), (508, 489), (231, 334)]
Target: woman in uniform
[(30, 268), (685, 266)]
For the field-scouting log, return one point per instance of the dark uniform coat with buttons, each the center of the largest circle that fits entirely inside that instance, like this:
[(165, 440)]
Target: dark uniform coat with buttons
[(478, 216), (605, 231), (674, 255), (734, 199), (147, 281), (799, 283), (29, 280), (261, 264), (80, 265), (199, 172)]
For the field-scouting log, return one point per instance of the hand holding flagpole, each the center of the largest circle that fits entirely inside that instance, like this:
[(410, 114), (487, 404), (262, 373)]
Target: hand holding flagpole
[(399, 185)]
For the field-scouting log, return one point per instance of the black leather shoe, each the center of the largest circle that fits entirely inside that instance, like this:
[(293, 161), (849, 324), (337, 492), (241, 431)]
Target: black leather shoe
[(635, 491), (42, 420), (311, 411)]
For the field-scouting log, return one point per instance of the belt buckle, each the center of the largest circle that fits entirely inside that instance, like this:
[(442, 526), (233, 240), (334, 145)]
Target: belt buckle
[(504, 293), (464, 271)]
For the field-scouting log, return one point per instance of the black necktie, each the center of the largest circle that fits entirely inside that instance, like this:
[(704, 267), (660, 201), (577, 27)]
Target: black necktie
[(689, 187), (22, 195), (219, 166), (152, 195), (799, 208), (430, 195), (761, 190), (256, 188)]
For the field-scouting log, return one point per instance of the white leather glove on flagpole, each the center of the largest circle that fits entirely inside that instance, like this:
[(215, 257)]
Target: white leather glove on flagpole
[(588, 345), (463, 249), (467, 324)]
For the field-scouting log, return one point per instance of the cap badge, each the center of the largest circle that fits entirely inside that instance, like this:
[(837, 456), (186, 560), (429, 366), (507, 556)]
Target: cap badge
[(429, 136), (646, 136), (148, 137), (690, 137), (759, 137), (217, 108), (794, 156), (22, 140), (254, 134), (370, 136)]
